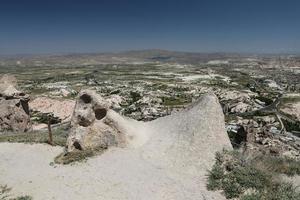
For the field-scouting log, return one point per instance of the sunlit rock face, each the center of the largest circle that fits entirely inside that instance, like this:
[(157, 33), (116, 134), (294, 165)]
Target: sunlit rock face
[(91, 124), (170, 155), (188, 139), (14, 115)]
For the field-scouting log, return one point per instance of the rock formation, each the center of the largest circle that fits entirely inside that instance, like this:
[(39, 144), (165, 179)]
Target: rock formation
[(169, 155), (189, 138), (14, 115), (90, 125)]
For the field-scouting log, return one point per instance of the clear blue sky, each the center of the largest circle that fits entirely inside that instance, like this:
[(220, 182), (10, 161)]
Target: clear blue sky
[(62, 26)]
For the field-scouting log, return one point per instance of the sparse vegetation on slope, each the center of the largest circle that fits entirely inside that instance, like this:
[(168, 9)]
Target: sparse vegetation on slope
[(77, 156), (250, 178), (59, 137), (4, 194)]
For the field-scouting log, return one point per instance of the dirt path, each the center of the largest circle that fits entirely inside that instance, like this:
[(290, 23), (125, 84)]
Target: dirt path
[(116, 174)]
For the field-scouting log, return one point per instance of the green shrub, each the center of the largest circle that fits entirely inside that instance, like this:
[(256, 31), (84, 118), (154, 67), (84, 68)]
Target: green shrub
[(235, 174), (77, 155), (215, 178), (4, 194), (254, 196), (231, 187), (250, 177), (282, 191), (59, 137), (280, 165), (23, 198)]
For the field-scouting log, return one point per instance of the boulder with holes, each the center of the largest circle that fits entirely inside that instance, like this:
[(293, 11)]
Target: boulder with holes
[(91, 124), (14, 115)]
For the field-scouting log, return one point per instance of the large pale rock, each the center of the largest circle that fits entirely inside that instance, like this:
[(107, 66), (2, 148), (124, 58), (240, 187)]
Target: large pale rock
[(14, 115), (187, 139), (90, 125)]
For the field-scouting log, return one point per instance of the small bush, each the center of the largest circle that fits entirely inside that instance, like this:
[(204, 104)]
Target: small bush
[(254, 196), (23, 198), (231, 188), (215, 178), (4, 194), (282, 191), (77, 155), (250, 177), (4, 190), (236, 175), (280, 165), (59, 137)]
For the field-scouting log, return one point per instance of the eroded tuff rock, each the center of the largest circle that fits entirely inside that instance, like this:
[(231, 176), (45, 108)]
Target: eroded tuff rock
[(91, 124), (169, 155), (189, 138), (14, 115)]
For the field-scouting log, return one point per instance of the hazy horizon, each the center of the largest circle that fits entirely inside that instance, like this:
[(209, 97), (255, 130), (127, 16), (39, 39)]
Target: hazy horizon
[(140, 50)]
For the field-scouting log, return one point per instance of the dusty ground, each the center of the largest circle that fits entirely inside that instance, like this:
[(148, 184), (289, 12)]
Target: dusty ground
[(112, 175)]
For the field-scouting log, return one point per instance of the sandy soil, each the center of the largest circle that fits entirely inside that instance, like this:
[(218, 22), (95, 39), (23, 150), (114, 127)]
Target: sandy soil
[(117, 174)]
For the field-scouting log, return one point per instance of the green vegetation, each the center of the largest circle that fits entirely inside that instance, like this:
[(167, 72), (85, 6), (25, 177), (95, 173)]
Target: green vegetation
[(44, 118), (279, 191), (4, 194), (174, 101), (267, 100), (253, 178), (279, 165), (23, 198), (77, 155), (135, 96), (286, 100), (59, 137), (291, 126)]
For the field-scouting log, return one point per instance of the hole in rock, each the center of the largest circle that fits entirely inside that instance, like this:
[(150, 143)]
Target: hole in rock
[(86, 98), (77, 145), (82, 121), (100, 113)]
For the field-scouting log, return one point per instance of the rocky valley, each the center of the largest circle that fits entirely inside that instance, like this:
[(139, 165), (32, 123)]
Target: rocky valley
[(154, 111)]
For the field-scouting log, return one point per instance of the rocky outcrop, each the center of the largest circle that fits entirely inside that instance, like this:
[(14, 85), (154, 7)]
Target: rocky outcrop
[(14, 115), (169, 155), (91, 125), (188, 138), (263, 135)]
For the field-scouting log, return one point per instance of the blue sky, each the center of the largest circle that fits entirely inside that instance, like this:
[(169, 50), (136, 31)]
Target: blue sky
[(65, 26)]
